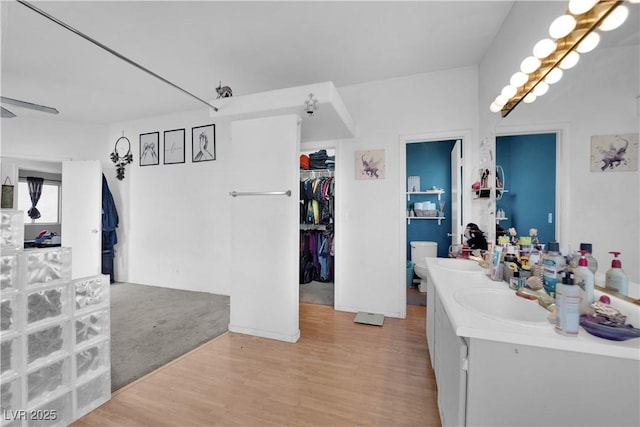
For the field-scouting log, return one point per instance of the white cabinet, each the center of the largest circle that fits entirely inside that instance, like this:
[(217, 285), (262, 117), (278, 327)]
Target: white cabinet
[(486, 382), (450, 369), (431, 320)]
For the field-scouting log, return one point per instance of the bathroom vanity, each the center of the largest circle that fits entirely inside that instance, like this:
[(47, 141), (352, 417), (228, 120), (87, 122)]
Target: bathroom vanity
[(498, 360)]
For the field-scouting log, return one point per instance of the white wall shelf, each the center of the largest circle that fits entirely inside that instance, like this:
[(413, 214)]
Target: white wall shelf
[(428, 192), (439, 218)]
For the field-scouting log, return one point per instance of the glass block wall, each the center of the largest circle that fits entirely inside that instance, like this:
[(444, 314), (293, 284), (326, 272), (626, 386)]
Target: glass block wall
[(55, 361)]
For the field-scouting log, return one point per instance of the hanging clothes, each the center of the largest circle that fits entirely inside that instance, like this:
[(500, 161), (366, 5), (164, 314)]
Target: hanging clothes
[(110, 222)]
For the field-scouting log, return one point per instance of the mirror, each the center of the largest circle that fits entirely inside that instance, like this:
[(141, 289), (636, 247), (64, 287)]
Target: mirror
[(525, 169)]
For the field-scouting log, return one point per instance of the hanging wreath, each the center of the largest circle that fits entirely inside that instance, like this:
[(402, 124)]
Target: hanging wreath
[(120, 157)]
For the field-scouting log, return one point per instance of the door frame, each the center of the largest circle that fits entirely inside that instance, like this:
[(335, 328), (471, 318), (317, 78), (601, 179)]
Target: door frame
[(563, 160), (464, 136), (337, 232)]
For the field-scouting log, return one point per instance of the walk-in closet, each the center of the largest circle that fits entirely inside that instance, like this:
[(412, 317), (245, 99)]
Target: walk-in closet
[(317, 226)]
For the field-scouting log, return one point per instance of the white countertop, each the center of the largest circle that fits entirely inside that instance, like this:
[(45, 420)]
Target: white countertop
[(473, 324)]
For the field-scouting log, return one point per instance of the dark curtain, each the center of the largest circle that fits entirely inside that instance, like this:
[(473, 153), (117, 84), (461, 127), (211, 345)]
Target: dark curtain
[(35, 191)]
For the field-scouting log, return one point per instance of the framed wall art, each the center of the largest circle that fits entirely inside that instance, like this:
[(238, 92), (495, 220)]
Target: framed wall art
[(149, 149), (203, 143), (370, 164), (174, 146), (614, 153)]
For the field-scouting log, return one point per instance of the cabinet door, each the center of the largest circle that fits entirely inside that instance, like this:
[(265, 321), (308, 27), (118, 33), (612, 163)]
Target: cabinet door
[(451, 374), (431, 321)]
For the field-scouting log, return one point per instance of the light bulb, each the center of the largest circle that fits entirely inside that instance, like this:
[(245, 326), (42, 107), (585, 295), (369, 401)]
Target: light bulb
[(544, 48), (494, 107), (570, 60), (553, 76), (509, 91), (518, 79), (540, 89), (589, 42), (529, 98), (615, 19), (529, 64), (578, 7), (501, 100), (561, 26)]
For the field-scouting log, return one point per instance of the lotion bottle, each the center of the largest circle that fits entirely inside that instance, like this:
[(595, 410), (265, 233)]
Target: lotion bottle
[(584, 278), (567, 306), (616, 279)]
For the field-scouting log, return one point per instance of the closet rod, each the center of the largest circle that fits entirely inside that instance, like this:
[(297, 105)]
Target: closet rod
[(260, 193)]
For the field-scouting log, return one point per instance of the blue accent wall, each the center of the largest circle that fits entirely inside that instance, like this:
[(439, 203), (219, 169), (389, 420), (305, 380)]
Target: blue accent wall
[(431, 161), (529, 163)]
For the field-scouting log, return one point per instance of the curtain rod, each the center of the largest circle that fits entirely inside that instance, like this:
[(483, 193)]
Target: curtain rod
[(111, 51)]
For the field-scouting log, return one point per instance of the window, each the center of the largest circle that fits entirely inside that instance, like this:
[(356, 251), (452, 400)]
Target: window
[(48, 205)]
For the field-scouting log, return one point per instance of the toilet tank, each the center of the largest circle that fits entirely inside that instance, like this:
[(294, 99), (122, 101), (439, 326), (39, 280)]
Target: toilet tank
[(420, 250)]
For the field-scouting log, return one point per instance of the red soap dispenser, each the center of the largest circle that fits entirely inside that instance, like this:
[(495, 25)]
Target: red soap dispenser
[(616, 279)]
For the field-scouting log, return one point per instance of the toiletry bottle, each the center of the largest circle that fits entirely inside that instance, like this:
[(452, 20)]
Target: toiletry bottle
[(514, 281), (616, 279), (567, 306), (553, 265), (593, 264), (584, 278)]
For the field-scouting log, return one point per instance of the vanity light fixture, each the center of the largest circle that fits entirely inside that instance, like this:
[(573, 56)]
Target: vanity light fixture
[(571, 34)]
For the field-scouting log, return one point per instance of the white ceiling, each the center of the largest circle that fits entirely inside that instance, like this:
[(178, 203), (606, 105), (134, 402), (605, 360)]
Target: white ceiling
[(250, 46)]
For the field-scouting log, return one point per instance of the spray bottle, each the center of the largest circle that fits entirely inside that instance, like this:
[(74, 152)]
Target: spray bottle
[(584, 278), (616, 279)]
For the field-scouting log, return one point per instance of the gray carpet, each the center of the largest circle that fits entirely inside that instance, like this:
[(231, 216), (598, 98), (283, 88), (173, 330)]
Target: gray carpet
[(317, 293), (150, 326)]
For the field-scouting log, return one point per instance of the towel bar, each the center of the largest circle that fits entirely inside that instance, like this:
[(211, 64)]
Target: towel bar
[(260, 193)]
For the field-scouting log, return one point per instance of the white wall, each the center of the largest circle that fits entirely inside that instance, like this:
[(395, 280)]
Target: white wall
[(371, 273), (175, 217), (52, 139), (597, 97)]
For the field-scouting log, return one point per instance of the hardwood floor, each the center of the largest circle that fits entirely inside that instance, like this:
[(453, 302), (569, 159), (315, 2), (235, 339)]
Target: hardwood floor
[(339, 374)]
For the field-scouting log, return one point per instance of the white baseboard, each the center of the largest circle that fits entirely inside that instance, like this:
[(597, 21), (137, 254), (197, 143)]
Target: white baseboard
[(265, 334)]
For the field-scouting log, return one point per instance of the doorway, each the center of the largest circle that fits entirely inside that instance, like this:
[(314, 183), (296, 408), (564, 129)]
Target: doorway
[(528, 162), (317, 225), (437, 160)]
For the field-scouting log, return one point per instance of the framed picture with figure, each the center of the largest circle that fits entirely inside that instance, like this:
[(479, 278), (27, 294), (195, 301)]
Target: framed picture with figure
[(149, 148), (173, 146), (203, 143)]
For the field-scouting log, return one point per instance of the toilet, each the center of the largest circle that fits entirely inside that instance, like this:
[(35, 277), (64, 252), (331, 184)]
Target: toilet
[(420, 251)]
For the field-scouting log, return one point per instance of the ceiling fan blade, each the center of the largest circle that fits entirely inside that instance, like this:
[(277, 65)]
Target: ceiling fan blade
[(6, 113), (29, 105)]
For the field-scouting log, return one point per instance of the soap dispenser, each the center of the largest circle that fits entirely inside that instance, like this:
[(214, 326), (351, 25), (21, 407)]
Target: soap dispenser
[(567, 306), (616, 279), (593, 264), (585, 279)]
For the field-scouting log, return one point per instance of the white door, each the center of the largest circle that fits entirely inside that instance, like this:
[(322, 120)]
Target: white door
[(456, 193), (82, 215), (265, 227)]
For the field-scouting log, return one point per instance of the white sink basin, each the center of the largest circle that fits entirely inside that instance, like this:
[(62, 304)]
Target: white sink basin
[(459, 264), (503, 305)]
